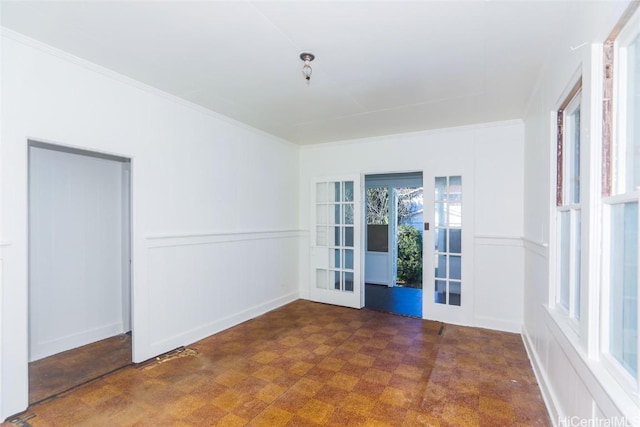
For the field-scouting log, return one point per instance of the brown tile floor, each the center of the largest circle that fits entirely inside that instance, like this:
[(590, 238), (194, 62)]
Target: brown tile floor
[(308, 364), (62, 371)]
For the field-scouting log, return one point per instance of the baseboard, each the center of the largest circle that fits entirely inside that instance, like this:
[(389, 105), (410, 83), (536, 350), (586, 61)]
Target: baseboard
[(497, 324), (219, 325), (41, 350), (541, 377)]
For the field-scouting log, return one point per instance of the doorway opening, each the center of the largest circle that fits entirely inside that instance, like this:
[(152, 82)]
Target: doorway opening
[(394, 239), (79, 267)]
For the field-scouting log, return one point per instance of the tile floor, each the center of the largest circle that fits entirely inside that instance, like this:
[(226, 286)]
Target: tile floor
[(309, 364)]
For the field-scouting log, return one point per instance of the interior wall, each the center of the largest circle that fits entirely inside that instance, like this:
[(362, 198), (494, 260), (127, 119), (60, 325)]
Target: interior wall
[(571, 380), (76, 241), (209, 196), (493, 156)]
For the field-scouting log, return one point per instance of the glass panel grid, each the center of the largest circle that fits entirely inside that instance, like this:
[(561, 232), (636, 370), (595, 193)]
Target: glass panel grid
[(335, 219), (448, 240)]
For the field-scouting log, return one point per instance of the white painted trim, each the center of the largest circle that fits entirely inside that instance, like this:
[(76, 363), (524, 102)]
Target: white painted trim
[(201, 332), (169, 240), (36, 44), (538, 248), (497, 324), (603, 387), (493, 240), (4, 244), (549, 397)]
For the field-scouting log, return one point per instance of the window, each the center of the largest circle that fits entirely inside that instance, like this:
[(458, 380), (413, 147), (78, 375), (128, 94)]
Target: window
[(621, 193), (568, 206)]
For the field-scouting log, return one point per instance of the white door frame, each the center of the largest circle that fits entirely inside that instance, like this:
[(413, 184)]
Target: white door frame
[(127, 232)]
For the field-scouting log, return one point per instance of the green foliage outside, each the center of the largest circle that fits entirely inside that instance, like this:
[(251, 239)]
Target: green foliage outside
[(409, 256)]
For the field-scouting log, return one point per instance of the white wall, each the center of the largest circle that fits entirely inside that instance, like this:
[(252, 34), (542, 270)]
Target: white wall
[(215, 231), (492, 155), (76, 250), (571, 379)]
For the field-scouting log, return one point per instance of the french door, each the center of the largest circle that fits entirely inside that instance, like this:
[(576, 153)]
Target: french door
[(448, 243), (336, 241)]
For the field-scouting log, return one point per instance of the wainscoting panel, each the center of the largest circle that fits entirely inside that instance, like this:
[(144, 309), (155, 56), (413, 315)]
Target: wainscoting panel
[(203, 283), (498, 282)]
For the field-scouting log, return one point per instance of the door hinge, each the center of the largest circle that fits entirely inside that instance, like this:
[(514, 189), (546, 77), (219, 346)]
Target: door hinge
[(426, 226)]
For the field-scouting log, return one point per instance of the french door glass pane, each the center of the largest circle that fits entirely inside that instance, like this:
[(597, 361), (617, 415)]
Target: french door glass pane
[(348, 259), (348, 237), (623, 300), (321, 192), (455, 267), (455, 239), (321, 279), (348, 281), (321, 214), (336, 192), (455, 294), (348, 191), (441, 239), (348, 214), (321, 236), (335, 237)]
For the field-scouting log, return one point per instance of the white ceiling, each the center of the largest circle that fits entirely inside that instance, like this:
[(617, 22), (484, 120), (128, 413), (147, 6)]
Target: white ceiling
[(381, 67)]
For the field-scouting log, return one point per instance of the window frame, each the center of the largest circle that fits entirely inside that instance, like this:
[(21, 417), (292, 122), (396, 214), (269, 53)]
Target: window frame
[(614, 193), (564, 157)]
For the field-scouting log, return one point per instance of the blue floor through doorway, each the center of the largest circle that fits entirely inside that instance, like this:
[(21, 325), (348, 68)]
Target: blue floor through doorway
[(396, 299)]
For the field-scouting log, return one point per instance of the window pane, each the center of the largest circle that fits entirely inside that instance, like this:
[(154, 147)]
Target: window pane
[(348, 237), (348, 281), (348, 259), (321, 236), (321, 192), (336, 192), (455, 240), (336, 282), (321, 279), (378, 206), (334, 258), (348, 191), (574, 155), (440, 214), (441, 266), (632, 155), (455, 188), (441, 188), (321, 214), (455, 214), (348, 213), (564, 257), (623, 304), (441, 240), (440, 292), (336, 237), (576, 245), (455, 267), (454, 293), (336, 215)]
